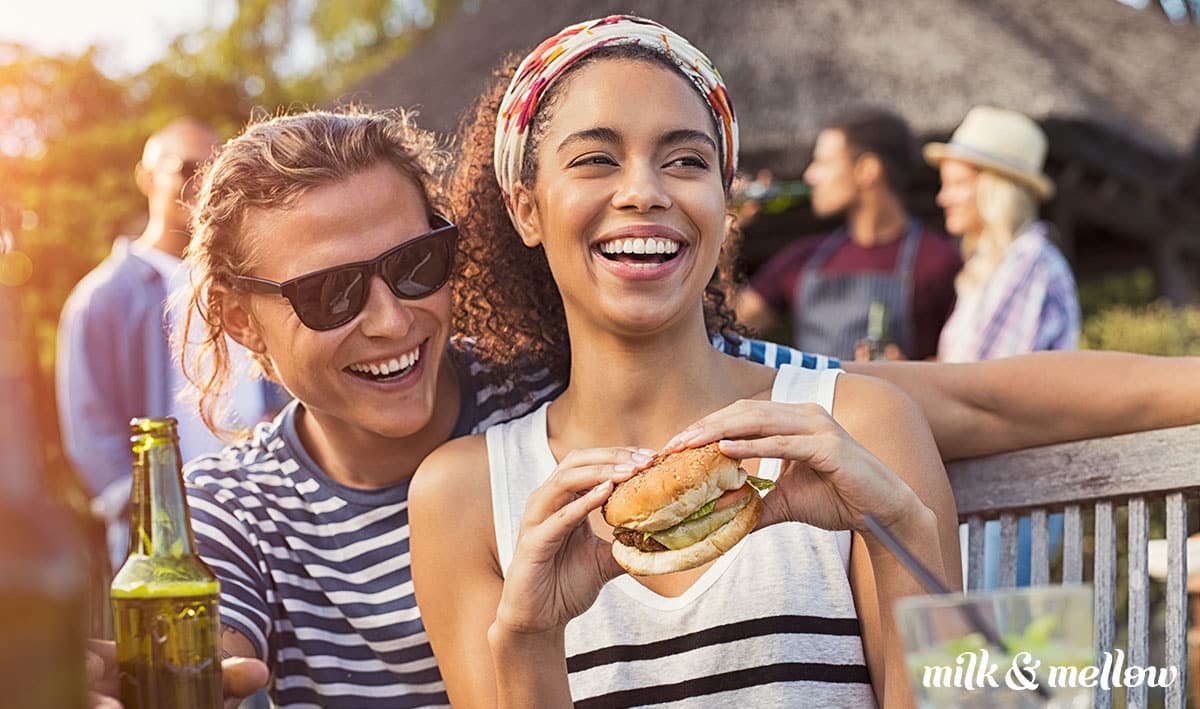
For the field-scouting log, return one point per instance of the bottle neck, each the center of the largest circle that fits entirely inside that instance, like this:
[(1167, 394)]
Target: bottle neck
[(160, 524)]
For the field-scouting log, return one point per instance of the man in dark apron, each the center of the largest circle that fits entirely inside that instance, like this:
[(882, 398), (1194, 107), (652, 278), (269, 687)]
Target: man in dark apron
[(881, 259)]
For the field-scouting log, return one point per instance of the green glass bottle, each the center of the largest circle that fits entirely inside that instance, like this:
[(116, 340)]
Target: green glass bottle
[(164, 597), (877, 329), (42, 587)]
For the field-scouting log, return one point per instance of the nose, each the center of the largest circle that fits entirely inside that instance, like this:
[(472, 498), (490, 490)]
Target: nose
[(941, 198), (809, 175), (641, 188), (384, 315)]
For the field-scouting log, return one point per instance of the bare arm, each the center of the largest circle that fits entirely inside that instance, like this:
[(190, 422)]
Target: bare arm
[(891, 426), (456, 577), (981, 408)]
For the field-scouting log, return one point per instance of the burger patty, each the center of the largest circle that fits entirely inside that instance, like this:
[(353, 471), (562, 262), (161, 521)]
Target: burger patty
[(637, 540)]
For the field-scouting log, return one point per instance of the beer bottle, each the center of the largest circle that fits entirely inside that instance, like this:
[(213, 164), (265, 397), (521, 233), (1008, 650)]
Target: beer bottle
[(877, 329), (42, 587), (164, 597)]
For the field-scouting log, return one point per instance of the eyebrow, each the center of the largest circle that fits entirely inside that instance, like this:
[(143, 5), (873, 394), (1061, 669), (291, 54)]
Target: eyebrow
[(609, 135), (602, 135)]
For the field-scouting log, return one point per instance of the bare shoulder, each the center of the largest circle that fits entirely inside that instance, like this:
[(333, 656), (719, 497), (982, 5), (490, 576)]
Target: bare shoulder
[(887, 422), (452, 483), (867, 404)]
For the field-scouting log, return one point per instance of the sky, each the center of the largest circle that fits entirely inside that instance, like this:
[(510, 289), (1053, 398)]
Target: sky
[(132, 33)]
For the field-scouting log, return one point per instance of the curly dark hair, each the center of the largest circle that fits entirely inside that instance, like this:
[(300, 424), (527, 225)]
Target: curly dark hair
[(505, 296)]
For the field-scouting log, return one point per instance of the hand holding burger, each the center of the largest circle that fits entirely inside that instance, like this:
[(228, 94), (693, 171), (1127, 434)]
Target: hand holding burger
[(681, 511)]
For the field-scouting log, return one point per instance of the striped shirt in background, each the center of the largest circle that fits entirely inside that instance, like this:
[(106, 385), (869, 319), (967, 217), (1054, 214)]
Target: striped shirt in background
[(1027, 304), (316, 574)]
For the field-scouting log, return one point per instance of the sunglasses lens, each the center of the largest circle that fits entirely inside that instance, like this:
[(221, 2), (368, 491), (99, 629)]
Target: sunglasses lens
[(331, 299), (420, 268)]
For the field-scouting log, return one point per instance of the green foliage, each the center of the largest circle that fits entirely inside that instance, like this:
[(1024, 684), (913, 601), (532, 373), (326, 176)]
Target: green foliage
[(1132, 289), (70, 135), (1157, 329)]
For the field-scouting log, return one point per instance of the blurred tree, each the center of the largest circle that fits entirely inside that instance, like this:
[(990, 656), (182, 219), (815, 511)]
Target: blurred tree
[(70, 135)]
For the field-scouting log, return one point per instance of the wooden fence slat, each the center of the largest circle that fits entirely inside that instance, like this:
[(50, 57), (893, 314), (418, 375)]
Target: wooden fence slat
[(1072, 545), (1104, 585), (975, 527), (1039, 563), (1139, 597), (1007, 577), (1177, 598)]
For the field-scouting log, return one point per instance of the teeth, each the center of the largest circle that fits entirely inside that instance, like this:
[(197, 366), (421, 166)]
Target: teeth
[(389, 366), (652, 245)]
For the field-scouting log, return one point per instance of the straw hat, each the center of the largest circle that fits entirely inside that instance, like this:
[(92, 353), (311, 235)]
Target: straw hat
[(1004, 142)]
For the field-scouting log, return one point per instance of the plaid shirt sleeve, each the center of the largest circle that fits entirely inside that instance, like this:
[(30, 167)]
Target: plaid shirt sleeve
[(1036, 307)]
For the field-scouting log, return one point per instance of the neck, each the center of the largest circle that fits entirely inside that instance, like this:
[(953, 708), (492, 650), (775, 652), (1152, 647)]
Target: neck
[(359, 458), (642, 391), (165, 235), (877, 219)]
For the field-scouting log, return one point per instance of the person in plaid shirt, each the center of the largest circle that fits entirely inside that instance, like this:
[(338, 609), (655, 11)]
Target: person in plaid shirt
[(1015, 293)]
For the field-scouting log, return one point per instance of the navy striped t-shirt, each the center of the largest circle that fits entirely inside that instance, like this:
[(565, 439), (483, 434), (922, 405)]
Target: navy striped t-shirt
[(316, 574)]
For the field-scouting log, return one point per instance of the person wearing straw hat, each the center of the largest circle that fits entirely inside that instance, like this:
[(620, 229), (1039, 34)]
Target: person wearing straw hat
[(1016, 292)]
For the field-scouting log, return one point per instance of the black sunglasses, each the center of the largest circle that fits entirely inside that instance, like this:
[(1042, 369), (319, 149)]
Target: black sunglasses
[(334, 296)]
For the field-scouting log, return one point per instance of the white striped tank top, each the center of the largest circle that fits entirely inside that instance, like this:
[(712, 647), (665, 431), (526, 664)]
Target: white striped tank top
[(770, 624)]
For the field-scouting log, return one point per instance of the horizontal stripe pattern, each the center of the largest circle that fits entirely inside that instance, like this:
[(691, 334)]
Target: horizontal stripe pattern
[(317, 575), (727, 633), (755, 677), (770, 623)]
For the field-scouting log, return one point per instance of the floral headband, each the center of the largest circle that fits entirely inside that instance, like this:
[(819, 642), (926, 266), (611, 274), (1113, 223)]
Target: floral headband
[(556, 54)]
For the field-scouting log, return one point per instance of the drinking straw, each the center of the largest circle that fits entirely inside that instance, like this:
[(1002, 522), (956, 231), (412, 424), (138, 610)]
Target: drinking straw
[(934, 585)]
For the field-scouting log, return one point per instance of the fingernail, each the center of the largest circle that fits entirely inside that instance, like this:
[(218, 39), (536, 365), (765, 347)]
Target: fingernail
[(730, 446), (623, 468), (602, 487), (642, 458)]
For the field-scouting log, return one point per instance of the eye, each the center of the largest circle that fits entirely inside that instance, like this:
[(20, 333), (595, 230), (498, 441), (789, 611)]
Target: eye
[(593, 159), (689, 161)]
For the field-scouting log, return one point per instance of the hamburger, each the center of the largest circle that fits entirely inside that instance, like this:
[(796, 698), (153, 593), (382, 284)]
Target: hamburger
[(683, 510)]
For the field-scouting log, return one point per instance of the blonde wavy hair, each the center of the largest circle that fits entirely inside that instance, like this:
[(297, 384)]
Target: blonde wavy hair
[(271, 165), (1006, 208)]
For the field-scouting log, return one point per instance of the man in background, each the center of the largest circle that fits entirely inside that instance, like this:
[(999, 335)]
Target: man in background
[(115, 360), (881, 259)]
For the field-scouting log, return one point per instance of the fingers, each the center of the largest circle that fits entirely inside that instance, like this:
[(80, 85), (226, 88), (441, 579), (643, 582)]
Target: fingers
[(242, 676), (798, 448), (751, 418), (551, 532), (101, 662), (579, 472)]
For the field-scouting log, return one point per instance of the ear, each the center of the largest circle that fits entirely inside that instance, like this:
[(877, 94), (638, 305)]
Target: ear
[(526, 217), (238, 320), (868, 169)]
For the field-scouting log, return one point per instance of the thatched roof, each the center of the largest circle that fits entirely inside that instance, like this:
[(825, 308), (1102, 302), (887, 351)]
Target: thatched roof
[(792, 66)]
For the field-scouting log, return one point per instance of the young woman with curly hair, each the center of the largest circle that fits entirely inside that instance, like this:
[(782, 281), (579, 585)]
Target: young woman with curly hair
[(591, 193), (615, 145)]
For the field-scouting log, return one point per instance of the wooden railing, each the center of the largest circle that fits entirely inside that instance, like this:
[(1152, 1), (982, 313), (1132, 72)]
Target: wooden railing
[(1103, 474)]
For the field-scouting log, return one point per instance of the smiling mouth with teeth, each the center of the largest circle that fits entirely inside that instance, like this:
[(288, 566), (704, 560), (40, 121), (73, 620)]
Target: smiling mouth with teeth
[(386, 370), (640, 252)]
